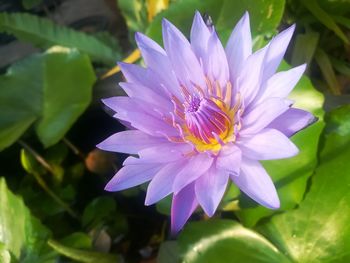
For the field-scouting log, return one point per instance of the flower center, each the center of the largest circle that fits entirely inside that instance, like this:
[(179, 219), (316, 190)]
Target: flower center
[(206, 121), (208, 118)]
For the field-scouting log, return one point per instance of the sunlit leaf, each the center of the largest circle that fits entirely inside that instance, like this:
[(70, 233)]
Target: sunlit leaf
[(20, 233), (135, 14), (81, 255), (51, 89), (223, 241), (265, 15), (319, 230)]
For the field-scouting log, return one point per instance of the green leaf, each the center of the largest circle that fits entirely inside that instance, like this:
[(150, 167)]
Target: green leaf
[(43, 88), (324, 18), (342, 20), (335, 6), (77, 240), (291, 175), (304, 48), (342, 66), (29, 4), (44, 33), (319, 230), (265, 15), (100, 208), (221, 241), (328, 73), (181, 14), (135, 14), (81, 255), (168, 252), (20, 233), (5, 256), (164, 205)]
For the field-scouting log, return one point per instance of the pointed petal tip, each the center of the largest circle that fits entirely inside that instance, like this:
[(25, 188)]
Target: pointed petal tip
[(174, 230), (138, 37), (100, 145), (300, 69), (273, 204), (289, 31), (108, 101), (122, 65), (313, 120), (197, 14), (246, 16), (209, 211), (303, 66), (165, 23), (148, 202), (137, 34), (109, 187)]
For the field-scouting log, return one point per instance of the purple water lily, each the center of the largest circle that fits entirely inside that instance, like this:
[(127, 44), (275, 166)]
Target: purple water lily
[(202, 115)]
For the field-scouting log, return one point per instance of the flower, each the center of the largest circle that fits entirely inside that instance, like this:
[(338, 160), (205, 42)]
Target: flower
[(202, 115)]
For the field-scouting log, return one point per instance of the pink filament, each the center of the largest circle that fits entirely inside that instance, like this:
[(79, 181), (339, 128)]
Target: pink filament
[(204, 119)]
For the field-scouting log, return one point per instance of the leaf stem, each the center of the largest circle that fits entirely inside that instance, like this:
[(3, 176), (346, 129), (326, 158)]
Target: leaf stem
[(41, 181), (37, 156), (74, 148)]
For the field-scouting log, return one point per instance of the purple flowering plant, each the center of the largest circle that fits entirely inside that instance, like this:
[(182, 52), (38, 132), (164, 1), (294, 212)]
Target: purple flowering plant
[(201, 115)]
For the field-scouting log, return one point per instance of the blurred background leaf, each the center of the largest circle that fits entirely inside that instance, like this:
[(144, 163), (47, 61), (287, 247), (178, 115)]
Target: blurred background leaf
[(43, 33), (49, 80)]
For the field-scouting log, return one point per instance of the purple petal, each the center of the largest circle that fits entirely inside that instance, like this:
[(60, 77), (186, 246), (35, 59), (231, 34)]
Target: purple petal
[(292, 121), (199, 37), (210, 188), (162, 153), (183, 60), (132, 175), (144, 41), (257, 184), (267, 145), (277, 49), (263, 114), (129, 142), (141, 76), (157, 60), (239, 47), (229, 159), (195, 167), (147, 95), (282, 83), (216, 65), (162, 183), (140, 115), (249, 80), (183, 205)]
